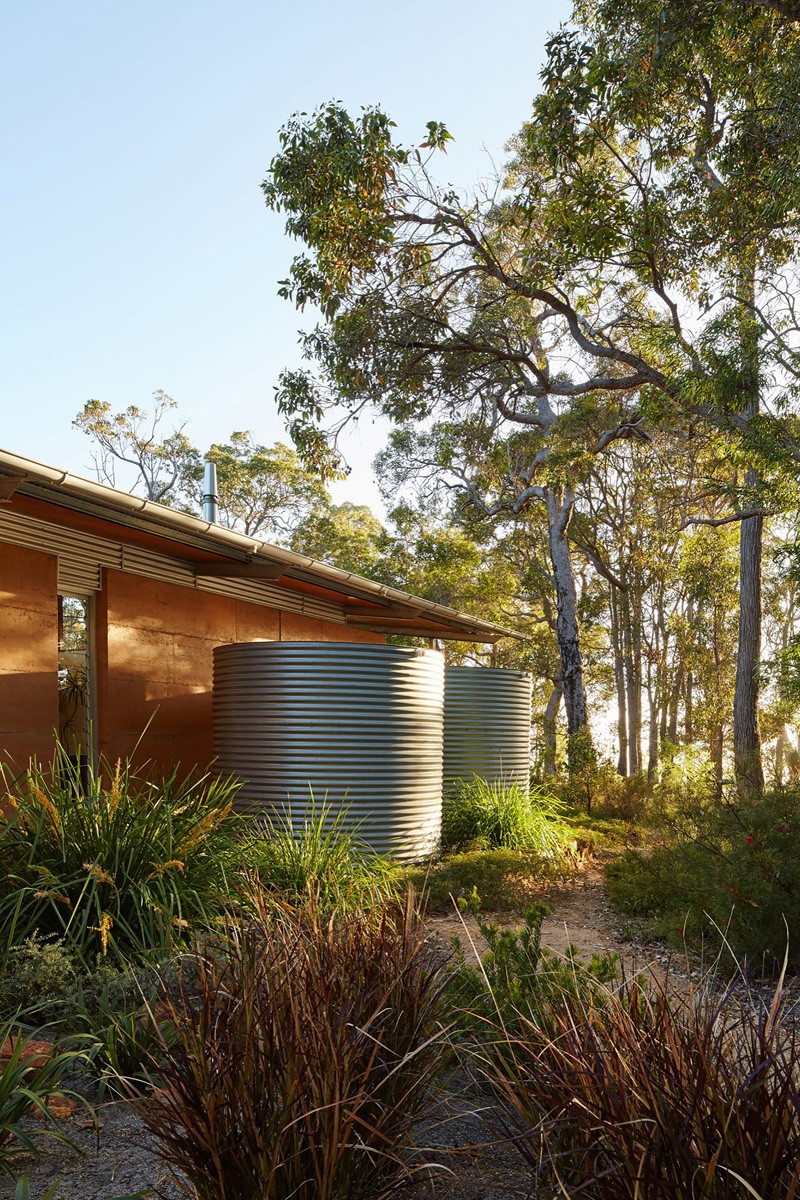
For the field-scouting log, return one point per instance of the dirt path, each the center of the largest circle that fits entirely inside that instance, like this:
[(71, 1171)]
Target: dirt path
[(580, 916)]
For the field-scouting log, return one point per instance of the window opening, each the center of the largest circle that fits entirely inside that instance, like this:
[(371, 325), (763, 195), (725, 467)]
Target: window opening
[(74, 676)]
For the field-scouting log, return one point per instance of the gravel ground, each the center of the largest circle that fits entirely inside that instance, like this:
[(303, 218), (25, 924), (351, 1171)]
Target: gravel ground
[(118, 1159)]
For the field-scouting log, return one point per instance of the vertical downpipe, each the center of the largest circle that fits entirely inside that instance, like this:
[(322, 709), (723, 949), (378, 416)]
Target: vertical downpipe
[(210, 497)]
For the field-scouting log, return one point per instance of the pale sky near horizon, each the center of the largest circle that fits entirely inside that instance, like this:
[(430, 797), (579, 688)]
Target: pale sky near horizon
[(138, 251)]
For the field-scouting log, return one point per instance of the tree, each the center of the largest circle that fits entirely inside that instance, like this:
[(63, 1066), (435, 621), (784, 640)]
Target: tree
[(263, 490), (346, 535), (638, 261), (161, 464), (421, 325)]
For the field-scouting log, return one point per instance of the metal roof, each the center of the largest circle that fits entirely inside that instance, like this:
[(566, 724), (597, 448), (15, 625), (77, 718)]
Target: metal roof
[(214, 550)]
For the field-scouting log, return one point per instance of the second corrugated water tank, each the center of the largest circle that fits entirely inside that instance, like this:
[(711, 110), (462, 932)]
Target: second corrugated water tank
[(359, 725), (487, 725)]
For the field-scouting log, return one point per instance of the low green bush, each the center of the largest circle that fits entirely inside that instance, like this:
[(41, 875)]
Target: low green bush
[(40, 973), (518, 979), (319, 856), (111, 860), (302, 1056), (720, 866), (506, 880), (654, 1094), (484, 815)]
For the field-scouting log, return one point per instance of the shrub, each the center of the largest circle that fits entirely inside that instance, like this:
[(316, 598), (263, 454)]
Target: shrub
[(518, 978), (657, 1095), (40, 972), (114, 861), (303, 1057), (320, 856), (728, 864), (484, 815)]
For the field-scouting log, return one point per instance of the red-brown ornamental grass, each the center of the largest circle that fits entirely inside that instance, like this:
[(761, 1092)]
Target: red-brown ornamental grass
[(656, 1095), (302, 1057)]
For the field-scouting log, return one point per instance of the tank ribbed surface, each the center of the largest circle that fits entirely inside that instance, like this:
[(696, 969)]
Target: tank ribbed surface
[(360, 725), (487, 725)]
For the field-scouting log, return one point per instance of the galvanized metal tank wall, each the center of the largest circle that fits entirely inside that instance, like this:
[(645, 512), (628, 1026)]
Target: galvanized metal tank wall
[(361, 725), (487, 725)]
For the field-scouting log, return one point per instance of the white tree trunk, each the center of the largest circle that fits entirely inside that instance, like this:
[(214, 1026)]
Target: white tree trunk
[(560, 503)]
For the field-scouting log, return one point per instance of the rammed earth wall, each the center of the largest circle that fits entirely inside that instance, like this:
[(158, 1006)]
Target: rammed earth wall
[(152, 658)]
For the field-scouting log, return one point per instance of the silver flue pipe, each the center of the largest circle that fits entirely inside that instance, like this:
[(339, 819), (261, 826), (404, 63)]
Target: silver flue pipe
[(210, 496)]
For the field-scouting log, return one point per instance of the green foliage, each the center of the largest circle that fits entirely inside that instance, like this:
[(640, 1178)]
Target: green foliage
[(122, 864), (121, 1035), (330, 177), (507, 880), (347, 535), (582, 769), (655, 1093), (302, 1057), (163, 461), (729, 866), (517, 980), (263, 490), (28, 1078), (40, 972), (320, 858), (478, 814), (624, 798)]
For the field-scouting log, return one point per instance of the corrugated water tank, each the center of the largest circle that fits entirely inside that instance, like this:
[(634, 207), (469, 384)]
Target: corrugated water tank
[(487, 725), (359, 725)]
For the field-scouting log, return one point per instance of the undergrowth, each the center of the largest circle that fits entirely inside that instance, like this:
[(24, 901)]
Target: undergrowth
[(478, 814), (319, 855), (719, 865), (517, 979), (113, 861), (654, 1093)]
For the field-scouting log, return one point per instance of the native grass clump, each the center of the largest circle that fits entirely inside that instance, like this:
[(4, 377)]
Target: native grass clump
[(483, 814), (319, 855), (655, 1091), (111, 860), (302, 1055)]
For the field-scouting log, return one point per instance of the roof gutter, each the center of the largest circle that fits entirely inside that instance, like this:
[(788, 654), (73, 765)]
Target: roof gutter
[(170, 518)]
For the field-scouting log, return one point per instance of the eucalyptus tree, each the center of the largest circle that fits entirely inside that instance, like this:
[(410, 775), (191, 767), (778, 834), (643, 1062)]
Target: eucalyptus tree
[(135, 443), (345, 535), (663, 151), (427, 318), (263, 490), (638, 260)]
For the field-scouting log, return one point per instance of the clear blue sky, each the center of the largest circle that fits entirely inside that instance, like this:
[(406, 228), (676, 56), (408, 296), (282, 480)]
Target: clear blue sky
[(138, 253)]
